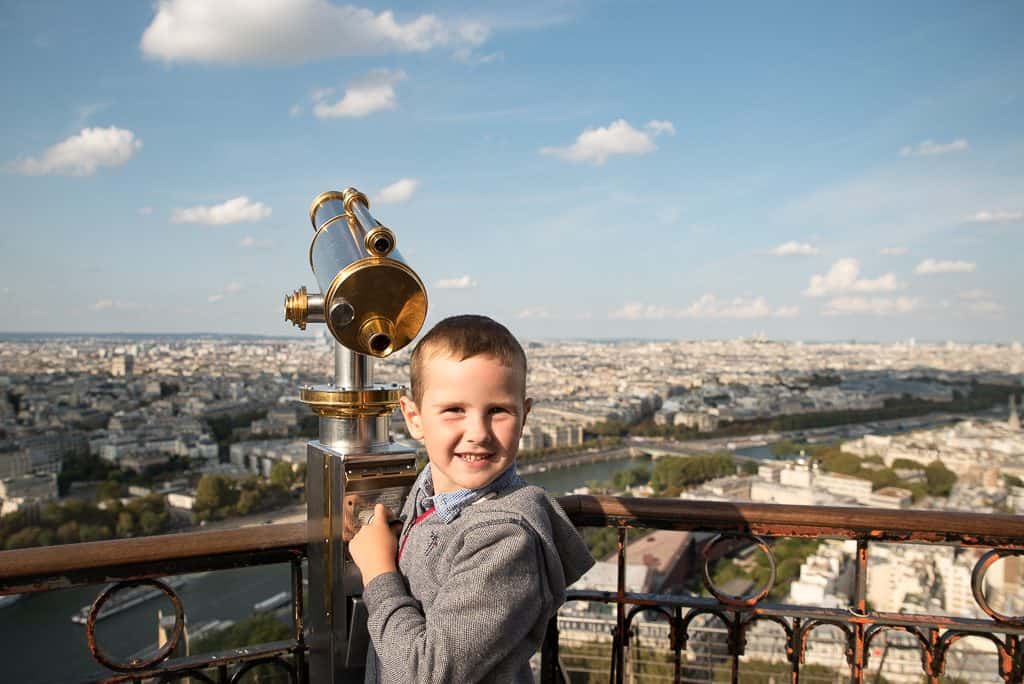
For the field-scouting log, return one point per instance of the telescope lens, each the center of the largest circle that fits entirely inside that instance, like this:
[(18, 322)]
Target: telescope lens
[(382, 245), (380, 343)]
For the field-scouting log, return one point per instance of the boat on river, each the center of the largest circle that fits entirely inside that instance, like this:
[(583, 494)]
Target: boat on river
[(127, 598)]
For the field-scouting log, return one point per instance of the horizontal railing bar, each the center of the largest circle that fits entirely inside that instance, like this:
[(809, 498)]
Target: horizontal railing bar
[(781, 520), (206, 661), (792, 610), (59, 567), (54, 567)]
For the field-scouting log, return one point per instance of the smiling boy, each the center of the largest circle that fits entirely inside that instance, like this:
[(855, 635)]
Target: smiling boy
[(465, 593)]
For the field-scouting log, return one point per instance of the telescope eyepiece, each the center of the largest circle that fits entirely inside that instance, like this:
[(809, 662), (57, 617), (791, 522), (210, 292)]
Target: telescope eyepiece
[(380, 241)]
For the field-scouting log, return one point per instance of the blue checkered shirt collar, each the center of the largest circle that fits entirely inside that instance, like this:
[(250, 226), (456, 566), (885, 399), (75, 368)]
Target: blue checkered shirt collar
[(449, 505)]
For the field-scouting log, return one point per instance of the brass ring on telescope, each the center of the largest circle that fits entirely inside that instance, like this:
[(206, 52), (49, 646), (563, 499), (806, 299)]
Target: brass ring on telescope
[(350, 195), (374, 236), (332, 402), (320, 199), (296, 307)]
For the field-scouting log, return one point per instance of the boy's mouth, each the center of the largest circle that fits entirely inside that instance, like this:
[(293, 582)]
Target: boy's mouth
[(473, 458)]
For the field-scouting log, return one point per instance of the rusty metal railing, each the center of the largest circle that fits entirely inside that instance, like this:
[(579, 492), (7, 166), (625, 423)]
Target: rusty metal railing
[(757, 523), (128, 563), (150, 558)]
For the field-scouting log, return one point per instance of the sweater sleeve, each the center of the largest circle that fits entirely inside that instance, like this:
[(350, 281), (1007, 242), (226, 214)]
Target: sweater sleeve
[(491, 601)]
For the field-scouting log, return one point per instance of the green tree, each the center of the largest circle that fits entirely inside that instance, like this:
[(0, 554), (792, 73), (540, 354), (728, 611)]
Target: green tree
[(214, 492), (24, 539), (940, 479), (68, 533), (125, 524), (94, 533), (258, 629), (109, 489), (249, 501), (282, 474), (906, 464), (151, 522), (631, 477)]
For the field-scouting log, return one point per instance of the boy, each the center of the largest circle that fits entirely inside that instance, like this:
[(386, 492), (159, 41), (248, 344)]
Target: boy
[(466, 591)]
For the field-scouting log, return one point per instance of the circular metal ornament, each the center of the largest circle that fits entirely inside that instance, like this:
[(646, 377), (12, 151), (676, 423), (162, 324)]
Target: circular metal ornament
[(978, 580), (137, 664), (272, 662), (729, 599)]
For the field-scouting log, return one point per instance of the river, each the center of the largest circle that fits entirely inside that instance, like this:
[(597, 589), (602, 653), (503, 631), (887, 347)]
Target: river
[(40, 645)]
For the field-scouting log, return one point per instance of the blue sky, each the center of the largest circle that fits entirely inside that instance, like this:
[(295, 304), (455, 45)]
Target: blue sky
[(575, 169)]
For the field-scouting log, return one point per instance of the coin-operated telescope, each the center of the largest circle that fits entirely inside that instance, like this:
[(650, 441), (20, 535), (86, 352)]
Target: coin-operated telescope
[(373, 305)]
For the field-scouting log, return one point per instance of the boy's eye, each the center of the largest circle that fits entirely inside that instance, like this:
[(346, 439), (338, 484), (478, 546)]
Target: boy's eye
[(452, 409), (499, 409)]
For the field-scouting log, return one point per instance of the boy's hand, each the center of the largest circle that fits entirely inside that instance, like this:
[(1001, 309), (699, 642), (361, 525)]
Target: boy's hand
[(374, 547)]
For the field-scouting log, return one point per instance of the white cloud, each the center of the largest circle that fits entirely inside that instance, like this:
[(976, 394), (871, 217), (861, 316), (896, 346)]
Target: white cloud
[(844, 276), (83, 154), (893, 251), (534, 312), (595, 145), (111, 304), (371, 93), (145, 211), (461, 283), (869, 306), (979, 301), (707, 306), (398, 192), (658, 127), (930, 148), (996, 217), (229, 289), (250, 241), (974, 295), (931, 266), (293, 31), (987, 307), (234, 210), (794, 249)]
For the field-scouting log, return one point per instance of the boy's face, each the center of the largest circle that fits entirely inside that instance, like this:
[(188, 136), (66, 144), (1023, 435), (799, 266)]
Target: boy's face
[(470, 419)]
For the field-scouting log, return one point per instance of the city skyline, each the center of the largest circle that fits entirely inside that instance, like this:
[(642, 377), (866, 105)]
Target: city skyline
[(678, 173)]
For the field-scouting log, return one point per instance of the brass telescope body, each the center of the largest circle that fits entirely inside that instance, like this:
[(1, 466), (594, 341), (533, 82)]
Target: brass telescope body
[(371, 301)]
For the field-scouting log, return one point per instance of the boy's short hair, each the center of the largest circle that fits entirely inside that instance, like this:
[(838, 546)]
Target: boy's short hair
[(463, 337)]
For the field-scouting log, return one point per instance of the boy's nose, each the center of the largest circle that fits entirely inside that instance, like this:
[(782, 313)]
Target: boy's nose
[(478, 432)]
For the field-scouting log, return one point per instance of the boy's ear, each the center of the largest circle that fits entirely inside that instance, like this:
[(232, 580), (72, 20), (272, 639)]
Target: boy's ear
[(413, 421), (527, 405)]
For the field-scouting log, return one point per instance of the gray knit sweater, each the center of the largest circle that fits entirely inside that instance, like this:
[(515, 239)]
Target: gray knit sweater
[(474, 596)]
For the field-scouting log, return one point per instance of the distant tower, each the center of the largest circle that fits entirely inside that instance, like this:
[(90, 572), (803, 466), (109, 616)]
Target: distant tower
[(164, 629), (122, 366), (1014, 421)]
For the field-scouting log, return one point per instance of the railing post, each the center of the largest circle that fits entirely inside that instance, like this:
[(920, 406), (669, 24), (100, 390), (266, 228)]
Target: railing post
[(550, 667), (860, 606), (620, 611)]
